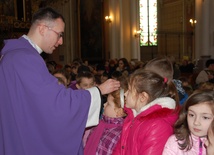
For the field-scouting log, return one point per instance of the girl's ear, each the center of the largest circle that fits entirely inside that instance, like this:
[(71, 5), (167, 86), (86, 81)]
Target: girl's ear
[(144, 97)]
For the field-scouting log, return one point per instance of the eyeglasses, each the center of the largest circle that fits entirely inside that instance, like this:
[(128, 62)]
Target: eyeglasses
[(59, 35)]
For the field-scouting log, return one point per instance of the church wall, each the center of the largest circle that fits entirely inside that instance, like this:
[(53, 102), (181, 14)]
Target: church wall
[(174, 31)]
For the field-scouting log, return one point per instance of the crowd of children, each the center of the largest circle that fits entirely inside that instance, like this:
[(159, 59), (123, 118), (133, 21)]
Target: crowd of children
[(152, 113)]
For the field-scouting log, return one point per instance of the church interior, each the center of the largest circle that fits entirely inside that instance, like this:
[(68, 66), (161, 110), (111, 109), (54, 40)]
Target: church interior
[(106, 77), (99, 30)]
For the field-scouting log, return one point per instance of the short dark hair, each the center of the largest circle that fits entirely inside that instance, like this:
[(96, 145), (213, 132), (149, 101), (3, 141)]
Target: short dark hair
[(209, 62), (162, 66), (82, 75), (46, 13)]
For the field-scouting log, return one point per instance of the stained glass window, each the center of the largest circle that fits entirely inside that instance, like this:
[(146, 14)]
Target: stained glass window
[(148, 22)]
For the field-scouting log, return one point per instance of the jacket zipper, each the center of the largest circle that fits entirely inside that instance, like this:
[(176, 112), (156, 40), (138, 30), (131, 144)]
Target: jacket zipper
[(200, 147)]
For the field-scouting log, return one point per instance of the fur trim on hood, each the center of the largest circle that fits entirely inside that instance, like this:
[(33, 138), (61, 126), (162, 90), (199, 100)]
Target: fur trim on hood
[(164, 102)]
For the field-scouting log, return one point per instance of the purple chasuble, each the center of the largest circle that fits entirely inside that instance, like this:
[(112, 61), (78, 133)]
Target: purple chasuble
[(37, 115)]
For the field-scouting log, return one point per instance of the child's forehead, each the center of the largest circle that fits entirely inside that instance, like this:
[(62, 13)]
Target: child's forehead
[(85, 79), (202, 107)]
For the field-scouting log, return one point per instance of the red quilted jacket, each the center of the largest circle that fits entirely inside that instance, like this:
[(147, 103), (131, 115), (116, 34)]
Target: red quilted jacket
[(147, 132)]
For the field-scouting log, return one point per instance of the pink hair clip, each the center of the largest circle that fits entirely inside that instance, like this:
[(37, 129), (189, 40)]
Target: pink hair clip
[(165, 80)]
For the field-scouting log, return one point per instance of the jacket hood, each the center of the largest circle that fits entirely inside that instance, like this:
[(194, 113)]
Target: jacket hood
[(164, 102), (163, 108)]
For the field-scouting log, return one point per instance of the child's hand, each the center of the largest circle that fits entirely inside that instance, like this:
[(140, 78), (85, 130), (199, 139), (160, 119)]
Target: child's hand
[(210, 140)]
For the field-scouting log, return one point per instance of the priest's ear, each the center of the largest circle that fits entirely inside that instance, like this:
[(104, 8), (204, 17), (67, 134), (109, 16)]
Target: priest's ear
[(41, 29)]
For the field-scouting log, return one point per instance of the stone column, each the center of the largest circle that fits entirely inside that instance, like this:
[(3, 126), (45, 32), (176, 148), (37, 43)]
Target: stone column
[(135, 25), (114, 30), (205, 28), (202, 31), (212, 28)]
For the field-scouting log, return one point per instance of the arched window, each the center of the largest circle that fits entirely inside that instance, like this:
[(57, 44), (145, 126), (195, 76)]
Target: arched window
[(148, 22)]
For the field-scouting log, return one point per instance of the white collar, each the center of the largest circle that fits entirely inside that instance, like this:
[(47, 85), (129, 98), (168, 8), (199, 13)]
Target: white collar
[(33, 44)]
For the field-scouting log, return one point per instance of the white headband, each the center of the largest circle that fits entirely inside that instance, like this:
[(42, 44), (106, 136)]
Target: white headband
[(122, 97)]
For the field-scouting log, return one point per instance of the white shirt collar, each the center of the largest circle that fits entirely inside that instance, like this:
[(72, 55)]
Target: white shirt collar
[(33, 44)]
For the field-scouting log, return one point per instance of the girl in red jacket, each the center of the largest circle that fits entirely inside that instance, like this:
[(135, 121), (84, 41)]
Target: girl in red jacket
[(152, 108)]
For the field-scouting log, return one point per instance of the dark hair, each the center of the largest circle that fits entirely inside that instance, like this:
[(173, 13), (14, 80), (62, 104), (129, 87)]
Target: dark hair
[(153, 84), (100, 67), (125, 62), (81, 75), (162, 66), (181, 128), (67, 66), (79, 60), (206, 85), (209, 62), (82, 69), (46, 13), (116, 74), (75, 65), (63, 72), (51, 65)]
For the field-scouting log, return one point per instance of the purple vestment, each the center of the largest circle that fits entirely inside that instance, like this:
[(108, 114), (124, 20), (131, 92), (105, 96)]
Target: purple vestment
[(37, 115)]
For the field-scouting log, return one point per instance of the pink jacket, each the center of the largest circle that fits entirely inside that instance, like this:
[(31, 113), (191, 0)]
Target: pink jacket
[(172, 147), (147, 132)]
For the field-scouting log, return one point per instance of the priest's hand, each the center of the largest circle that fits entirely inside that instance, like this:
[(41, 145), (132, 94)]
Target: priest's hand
[(109, 86)]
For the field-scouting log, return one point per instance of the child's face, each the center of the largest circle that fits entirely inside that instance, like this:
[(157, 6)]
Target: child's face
[(110, 109), (69, 70), (86, 83), (133, 100), (74, 70), (199, 118), (121, 64)]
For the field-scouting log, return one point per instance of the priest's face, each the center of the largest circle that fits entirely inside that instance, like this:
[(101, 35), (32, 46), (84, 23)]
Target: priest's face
[(53, 35)]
